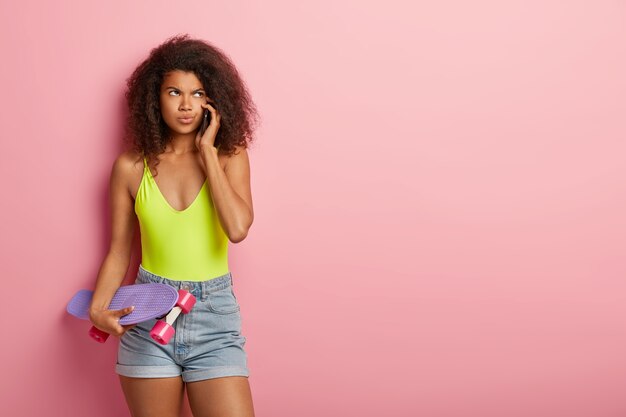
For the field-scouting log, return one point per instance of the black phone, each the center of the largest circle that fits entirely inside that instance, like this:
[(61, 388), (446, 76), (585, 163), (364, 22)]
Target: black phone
[(206, 119)]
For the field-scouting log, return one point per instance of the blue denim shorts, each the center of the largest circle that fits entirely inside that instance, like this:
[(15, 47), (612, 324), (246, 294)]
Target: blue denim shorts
[(207, 342)]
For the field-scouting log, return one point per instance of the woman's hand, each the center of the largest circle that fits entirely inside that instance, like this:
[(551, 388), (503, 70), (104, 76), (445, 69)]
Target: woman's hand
[(108, 320), (208, 138)]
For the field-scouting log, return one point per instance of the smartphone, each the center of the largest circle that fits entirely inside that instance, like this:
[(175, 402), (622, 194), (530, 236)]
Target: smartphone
[(206, 119)]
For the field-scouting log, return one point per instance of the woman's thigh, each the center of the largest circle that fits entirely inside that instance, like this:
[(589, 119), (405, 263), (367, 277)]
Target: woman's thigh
[(223, 397), (154, 397)]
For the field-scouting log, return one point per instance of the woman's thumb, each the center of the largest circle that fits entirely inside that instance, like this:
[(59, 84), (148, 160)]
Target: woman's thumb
[(124, 311)]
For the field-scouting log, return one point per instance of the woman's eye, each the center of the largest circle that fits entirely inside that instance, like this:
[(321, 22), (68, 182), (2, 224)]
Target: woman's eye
[(197, 92)]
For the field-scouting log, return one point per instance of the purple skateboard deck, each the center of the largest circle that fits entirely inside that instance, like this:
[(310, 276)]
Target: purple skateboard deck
[(150, 301)]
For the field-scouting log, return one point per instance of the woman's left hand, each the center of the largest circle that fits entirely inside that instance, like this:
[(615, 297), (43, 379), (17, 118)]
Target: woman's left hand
[(208, 138)]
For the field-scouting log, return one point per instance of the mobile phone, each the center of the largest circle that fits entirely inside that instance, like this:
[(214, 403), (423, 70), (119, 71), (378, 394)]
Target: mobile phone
[(206, 119)]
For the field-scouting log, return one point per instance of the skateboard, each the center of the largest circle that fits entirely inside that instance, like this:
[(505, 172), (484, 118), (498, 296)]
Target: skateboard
[(151, 301)]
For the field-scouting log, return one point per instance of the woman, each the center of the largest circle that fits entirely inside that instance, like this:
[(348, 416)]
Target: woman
[(188, 210)]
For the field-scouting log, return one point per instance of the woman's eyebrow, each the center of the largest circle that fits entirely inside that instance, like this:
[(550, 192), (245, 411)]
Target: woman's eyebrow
[(176, 88)]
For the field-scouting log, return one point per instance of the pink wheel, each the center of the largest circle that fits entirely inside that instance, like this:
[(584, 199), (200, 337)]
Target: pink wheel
[(162, 332), (98, 335), (186, 301)]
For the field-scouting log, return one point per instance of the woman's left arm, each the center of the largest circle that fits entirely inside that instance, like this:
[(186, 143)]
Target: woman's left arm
[(230, 190)]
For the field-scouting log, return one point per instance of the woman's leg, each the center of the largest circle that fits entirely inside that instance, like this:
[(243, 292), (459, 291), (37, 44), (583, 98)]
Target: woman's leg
[(221, 397), (153, 397)]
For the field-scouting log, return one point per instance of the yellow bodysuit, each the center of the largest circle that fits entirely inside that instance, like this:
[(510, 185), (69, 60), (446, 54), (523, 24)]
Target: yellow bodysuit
[(183, 245)]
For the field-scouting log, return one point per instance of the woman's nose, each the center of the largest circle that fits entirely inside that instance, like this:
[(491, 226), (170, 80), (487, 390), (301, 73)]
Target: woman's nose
[(185, 103)]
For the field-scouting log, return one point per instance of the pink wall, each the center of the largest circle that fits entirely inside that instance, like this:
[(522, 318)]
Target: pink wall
[(439, 202)]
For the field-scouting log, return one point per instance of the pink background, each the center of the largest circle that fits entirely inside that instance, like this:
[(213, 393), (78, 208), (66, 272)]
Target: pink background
[(438, 191)]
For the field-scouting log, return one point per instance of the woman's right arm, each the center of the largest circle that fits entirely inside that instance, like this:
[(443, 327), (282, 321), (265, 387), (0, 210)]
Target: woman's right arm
[(115, 264)]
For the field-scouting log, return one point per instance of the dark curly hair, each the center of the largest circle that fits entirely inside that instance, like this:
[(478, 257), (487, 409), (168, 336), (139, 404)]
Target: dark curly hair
[(146, 130)]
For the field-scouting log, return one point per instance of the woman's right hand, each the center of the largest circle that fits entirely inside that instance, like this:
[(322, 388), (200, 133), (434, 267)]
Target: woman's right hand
[(108, 320)]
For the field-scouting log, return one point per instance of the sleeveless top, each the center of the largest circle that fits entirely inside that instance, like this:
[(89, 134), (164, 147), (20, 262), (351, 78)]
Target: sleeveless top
[(182, 245)]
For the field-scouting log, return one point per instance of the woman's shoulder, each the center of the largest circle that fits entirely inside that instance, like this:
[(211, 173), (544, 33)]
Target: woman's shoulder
[(129, 160), (127, 171), (128, 167), (240, 153)]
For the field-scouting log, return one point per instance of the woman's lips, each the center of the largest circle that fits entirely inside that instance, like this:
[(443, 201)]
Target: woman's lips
[(185, 120)]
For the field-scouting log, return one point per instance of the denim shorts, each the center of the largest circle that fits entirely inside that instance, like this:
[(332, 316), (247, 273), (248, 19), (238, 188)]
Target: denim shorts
[(207, 342)]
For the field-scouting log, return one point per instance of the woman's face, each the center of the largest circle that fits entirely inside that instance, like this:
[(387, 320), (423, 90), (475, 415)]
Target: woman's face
[(180, 99)]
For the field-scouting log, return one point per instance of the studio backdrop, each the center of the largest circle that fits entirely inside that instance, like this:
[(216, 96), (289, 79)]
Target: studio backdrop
[(438, 193)]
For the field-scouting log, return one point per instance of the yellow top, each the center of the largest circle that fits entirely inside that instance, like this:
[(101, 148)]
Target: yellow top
[(183, 245)]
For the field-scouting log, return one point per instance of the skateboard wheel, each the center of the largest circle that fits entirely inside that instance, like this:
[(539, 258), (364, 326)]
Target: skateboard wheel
[(186, 301), (162, 332), (98, 335)]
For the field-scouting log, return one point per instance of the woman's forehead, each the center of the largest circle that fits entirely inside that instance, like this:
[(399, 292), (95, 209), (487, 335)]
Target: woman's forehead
[(181, 80)]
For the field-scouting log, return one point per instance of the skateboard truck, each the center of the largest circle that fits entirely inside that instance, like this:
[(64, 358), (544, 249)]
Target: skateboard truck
[(163, 331)]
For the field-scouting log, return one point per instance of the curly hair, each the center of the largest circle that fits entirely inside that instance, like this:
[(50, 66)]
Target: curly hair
[(145, 128)]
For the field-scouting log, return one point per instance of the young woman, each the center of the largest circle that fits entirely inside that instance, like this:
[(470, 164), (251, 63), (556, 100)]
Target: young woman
[(188, 210)]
